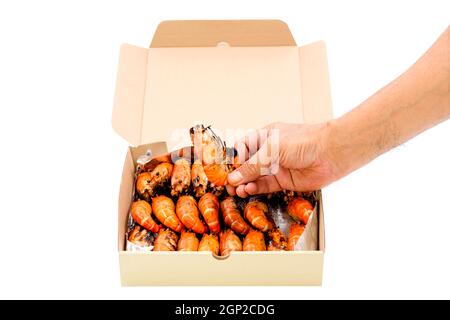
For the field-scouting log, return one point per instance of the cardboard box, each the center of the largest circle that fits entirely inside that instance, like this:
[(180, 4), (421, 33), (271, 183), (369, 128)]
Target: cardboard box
[(231, 74)]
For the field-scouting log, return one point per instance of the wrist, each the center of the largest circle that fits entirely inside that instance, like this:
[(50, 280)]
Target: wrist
[(341, 149)]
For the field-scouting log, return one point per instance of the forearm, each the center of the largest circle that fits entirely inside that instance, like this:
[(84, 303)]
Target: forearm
[(414, 102)]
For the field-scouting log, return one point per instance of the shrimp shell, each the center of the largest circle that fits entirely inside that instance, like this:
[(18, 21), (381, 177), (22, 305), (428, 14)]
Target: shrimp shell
[(166, 241), (187, 212), (139, 236), (188, 242), (209, 208), (141, 211), (295, 233), (209, 242), (181, 177), (199, 179), (232, 217), (147, 182), (256, 213), (164, 210), (254, 241), (277, 241), (300, 209), (229, 241)]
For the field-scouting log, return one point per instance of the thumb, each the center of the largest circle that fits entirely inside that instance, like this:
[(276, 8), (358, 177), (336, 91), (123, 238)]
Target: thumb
[(258, 165)]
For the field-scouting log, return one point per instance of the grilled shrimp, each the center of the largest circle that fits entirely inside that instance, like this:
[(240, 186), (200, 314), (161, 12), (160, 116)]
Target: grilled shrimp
[(209, 208), (181, 177), (232, 217), (208, 147), (217, 174), (187, 212), (254, 241), (188, 242), (295, 233), (166, 241), (199, 179), (229, 241), (147, 182), (211, 151), (164, 210), (139, 236), (300, 209), (277, 241), (209, 242), (141, 211), (256, 213)]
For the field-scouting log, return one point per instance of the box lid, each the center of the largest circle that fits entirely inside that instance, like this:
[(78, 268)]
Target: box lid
[(230, 74)]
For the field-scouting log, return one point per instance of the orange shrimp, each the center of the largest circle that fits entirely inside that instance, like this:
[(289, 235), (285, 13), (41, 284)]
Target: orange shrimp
[(300, 209), (209, 208), (211, 151), (139, 236), (232, 217), (141, 211), (147, 182), (254, 241), (277, 241), (199, 179), (295, 233), (229, 241), (166, 241), (164, 210), (208, 147), (151, 165), (209, 242), (181, 177), (256, 212), (217, 174), (187, 212), (188, 242)]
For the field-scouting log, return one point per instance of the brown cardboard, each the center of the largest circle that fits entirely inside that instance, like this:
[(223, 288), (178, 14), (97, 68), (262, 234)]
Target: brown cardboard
[(138, 118)]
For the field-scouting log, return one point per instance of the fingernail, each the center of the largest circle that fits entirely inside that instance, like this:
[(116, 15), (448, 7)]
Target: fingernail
[(235, 177)]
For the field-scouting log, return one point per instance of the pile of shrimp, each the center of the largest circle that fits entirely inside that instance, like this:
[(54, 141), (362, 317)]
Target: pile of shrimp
[(181, 204)]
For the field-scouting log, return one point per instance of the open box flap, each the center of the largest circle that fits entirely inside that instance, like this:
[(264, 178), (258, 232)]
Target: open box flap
[(208, 33), (161, 89)]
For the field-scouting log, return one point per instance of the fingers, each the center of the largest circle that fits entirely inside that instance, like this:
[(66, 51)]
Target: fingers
[(267, 184), (250, 143), (259, 164), (282, 180)]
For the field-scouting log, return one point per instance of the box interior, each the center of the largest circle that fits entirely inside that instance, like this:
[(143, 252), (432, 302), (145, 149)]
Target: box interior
[(127, 188)]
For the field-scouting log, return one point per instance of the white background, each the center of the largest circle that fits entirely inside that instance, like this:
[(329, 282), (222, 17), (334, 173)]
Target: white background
[(387, 225)]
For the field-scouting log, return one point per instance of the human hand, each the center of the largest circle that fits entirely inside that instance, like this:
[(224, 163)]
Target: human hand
[(309, 157), (283, 156)]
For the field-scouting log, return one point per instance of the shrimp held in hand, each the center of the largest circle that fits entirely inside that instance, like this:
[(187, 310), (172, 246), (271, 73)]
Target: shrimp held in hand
[(254, 241), (188, 242), (181, 177), (147, 182), (166, 241), (229, 241), (300, 209), (209, 242), (209, 208), (232, 217), (212, 153), (164, 210), (141, 211), (256, 212), (187, 212), (295, 233)]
